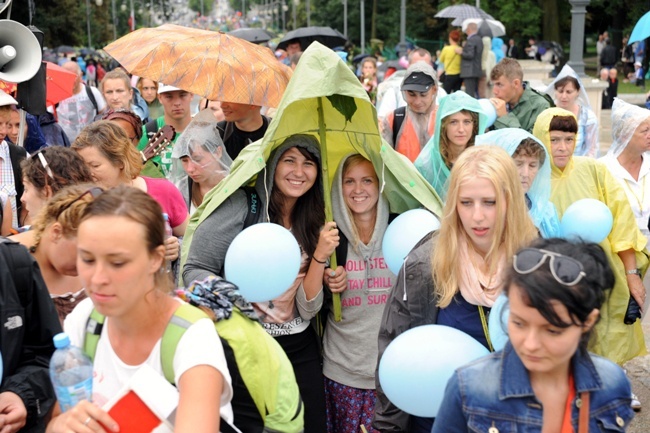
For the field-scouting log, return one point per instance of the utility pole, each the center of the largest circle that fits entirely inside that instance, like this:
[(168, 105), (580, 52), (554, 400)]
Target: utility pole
[(362, 5), (345, 18)]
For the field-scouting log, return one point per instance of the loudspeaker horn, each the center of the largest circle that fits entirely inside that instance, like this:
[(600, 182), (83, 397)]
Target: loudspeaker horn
[(4, 4), (20, 52)]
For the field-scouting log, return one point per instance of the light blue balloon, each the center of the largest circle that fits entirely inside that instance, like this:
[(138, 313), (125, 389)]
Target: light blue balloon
[(589, 220), (498, 322), (263, 261), (416, 366), (404, 233), (489, 110)]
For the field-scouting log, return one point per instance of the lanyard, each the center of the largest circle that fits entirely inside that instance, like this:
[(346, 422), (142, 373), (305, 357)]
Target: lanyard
[(485, 327), (639, 202)]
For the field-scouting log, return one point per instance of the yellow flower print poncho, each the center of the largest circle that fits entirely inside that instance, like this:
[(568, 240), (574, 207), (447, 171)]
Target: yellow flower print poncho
[(585, 177)]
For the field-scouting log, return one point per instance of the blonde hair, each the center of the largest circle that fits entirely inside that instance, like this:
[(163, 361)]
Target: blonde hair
[(494, 164), (116, 74), (351, 162), (509, 68), (66, 207), (111, 140)]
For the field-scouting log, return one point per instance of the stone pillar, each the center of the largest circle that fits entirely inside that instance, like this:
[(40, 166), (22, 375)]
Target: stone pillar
[(578, 13)]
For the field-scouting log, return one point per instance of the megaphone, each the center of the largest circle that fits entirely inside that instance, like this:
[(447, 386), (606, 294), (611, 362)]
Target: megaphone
[(20, 52), (4, 4)]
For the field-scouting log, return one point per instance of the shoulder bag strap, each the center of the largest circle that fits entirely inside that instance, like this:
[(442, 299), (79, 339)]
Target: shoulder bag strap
[(583, 423)]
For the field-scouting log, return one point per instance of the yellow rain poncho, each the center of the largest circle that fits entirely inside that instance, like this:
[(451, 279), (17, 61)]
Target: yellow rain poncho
[(585, 177)]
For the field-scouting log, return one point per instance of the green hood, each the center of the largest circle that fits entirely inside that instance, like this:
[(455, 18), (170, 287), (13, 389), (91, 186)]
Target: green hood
[(323, 80)]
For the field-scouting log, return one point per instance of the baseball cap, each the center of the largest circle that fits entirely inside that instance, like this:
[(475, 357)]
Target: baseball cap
[(419, 77), (5, 99), (164, 88)]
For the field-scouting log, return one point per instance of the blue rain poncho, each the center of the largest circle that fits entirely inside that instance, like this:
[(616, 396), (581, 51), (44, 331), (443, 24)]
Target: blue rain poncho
[(430, 162), (542, 211)]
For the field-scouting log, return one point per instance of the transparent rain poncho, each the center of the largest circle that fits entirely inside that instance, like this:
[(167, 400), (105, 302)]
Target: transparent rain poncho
[(199, 157), (625, 119)]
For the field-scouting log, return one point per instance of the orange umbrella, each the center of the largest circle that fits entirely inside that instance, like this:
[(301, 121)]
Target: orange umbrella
[(213, 65), (59, 83)]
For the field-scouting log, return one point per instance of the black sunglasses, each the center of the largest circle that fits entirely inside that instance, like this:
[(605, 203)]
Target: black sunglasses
[(94, 192), (566, 270)]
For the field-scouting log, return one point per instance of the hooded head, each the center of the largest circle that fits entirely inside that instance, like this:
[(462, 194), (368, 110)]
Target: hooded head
[(199, 153), (626, 118), (433, 161), (565, 122), (567, 71)]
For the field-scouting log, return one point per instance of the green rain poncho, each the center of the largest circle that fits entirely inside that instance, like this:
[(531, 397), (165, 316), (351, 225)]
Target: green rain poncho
[(584, 177), (430, 163), (326, 100)]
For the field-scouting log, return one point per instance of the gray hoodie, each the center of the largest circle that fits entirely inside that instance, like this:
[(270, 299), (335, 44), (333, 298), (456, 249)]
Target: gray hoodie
[(350, 346), (289, 313)]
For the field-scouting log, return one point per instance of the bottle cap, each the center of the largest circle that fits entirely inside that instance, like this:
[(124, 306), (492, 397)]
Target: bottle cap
[(165, 216), (61, 340)]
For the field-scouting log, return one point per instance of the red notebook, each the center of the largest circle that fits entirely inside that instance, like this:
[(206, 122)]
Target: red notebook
[(133, 415)]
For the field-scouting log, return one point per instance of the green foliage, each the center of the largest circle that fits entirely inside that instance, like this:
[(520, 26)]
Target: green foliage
[(520, 25), (208, 5)]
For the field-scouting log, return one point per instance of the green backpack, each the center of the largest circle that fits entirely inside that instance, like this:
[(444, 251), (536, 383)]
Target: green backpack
[(265, 393)]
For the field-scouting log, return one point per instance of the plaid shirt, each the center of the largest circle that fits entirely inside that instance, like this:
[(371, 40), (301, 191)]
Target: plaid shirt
[(7, 184)]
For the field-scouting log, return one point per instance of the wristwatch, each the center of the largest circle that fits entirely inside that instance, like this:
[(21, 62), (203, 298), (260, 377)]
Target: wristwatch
[(633, 271)]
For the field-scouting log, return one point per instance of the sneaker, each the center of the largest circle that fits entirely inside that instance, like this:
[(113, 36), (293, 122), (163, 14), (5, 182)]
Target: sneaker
[(635, 404)]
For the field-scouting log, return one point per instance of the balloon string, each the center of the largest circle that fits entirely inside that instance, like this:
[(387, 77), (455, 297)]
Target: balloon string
[(404, 276), (268, 199)]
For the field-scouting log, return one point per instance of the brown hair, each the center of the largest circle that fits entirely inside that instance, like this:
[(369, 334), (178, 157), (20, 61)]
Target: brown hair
[(116, 74), (509, 68), (65, 166), (454, 35), (351, 162), (66, 207), (113, 143), (139, 84), (566, 80), (128, 116), (564, 124), (531, 148), (137, 206), (444, 141)]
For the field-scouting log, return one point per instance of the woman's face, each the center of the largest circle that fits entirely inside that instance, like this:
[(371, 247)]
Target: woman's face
[(201, 166), (562, 145), (542, 347), (295, 174), (527, 168), (368, 69), (361, 189), (459, 129), (640, 141), (115, 264), (104, 173), (149, 90), (478, 212), (566, 96), (33, 199)]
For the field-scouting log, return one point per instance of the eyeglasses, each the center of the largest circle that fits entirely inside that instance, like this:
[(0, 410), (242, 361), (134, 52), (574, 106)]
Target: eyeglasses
[(566, 270), (94, 192)]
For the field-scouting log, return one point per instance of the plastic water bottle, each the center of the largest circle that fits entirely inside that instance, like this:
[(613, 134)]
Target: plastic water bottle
[(71, 372), (168, 233)]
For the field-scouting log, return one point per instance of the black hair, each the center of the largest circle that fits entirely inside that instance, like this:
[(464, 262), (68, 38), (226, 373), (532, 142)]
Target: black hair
[(539, 288)]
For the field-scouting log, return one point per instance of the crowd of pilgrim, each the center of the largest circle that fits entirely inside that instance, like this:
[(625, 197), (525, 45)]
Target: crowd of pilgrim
[(91, 215)]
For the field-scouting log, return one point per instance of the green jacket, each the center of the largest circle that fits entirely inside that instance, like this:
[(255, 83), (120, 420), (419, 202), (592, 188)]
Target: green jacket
[(524, 114)]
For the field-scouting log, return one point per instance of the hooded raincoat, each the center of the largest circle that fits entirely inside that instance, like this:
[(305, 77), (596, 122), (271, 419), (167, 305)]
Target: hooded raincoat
[(207, 161), (626, 118), (542, 211), (587, 178), (430, 162), (587, 139)]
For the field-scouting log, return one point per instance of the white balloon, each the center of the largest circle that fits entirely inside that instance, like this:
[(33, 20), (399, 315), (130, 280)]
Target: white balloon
[(404, 233)]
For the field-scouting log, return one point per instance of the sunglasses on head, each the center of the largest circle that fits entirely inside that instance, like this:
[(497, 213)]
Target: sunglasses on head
[(94, 192), (43, 161), (566, 270)]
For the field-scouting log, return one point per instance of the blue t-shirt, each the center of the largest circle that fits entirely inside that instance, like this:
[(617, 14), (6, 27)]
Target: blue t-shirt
[(465, 317)]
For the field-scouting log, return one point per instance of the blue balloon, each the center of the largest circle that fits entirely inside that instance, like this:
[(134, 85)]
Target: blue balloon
[(404, 233), (498, 322), (589, 220), (416, 366), (489, 110), (263, 261)]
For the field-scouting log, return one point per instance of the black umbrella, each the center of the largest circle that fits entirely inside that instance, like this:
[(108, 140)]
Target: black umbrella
[(306, 35), (255, 35)]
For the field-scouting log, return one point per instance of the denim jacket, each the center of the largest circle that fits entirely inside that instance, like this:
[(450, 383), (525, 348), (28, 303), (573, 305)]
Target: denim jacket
[(494, 394)]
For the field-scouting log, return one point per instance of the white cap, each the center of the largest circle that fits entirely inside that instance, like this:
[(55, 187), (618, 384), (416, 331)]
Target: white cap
[(164, 88), (6, 99)]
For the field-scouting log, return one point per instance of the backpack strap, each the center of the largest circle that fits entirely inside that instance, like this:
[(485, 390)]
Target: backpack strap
[(253, 199), (183, 318), (94, 327), (91, 96), (19, 262), (398, 119)]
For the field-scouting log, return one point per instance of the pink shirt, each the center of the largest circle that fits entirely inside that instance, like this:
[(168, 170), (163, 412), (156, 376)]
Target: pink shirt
[(169, 198)]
